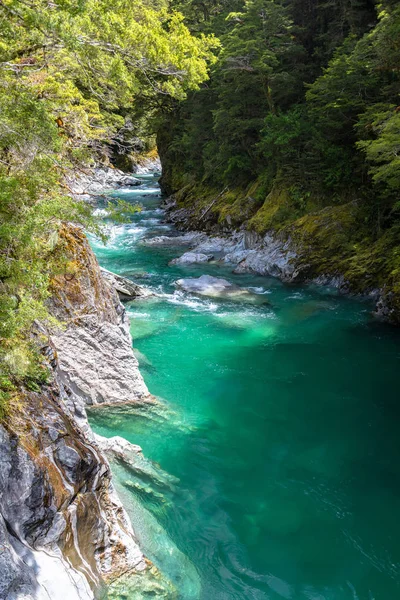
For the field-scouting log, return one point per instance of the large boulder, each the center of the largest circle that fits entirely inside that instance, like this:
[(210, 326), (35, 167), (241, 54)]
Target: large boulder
[(125, 288), (191, 258), (206, 285), (129, 181)]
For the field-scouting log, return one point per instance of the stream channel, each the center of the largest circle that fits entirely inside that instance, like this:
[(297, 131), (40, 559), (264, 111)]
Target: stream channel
[(277, 436)]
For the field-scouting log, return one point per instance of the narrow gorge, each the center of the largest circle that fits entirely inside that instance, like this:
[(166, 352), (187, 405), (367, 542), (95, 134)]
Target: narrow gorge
[(199, 299)]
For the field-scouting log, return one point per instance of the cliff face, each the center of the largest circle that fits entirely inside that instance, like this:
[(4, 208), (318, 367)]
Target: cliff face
[(63, 532), (97, 330)]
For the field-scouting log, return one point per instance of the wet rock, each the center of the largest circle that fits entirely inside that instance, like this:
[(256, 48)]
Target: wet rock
[(192, 258), (129, 181), (126, 289), (188, 239), (132, 458), (206, 285), (273, 257)]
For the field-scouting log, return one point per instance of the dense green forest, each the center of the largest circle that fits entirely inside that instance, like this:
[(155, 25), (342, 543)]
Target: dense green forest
[(298, 130), (72, 74)]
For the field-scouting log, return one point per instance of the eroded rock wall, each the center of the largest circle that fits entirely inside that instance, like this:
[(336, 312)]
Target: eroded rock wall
[(64, 534)]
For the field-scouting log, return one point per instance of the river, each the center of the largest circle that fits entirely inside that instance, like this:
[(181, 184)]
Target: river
[(279, 428)]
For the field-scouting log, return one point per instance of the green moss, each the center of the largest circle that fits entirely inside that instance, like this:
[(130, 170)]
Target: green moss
[(335, 241), (275, 211)]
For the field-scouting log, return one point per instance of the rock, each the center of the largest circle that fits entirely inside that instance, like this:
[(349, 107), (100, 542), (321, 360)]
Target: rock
[(188, 239), (142, 359), (192, 258), (132, 458), (27, 574), (129, 181), (64, 533), (206, 285), (216, 245), (126, 289), (97, 362), (94, 351), (48, 489), (100, 180), (273, 257), (117, 446)]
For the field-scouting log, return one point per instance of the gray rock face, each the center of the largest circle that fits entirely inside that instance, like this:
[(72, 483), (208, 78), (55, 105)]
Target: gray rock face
[(271, 257), (64, 530), (64, 534), (94, 351), (188, 239), (190, 258), (97, 362), (100, 180), (125, 288)]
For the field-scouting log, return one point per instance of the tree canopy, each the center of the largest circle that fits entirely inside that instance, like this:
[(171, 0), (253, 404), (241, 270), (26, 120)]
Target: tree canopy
[(305, 91), (71, 73)]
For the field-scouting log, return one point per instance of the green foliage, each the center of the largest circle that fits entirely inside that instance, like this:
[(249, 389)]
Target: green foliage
[(304, 104), (382, 124), (71, 75), (298, 99)]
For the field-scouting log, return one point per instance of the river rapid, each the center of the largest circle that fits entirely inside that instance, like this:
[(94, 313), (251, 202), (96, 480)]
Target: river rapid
[(277, 437)]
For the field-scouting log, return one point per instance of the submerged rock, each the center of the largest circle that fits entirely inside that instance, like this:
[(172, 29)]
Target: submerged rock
[(190, 258), (206, 285), (132, 458), (126, 289)]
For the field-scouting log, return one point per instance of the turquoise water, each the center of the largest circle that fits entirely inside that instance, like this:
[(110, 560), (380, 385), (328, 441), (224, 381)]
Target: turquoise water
[(279, 429)]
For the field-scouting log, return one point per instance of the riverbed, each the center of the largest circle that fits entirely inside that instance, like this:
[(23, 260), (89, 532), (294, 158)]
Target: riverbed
[(277, 430)]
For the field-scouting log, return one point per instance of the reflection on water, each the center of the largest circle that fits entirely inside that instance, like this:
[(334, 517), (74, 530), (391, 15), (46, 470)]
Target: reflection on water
[(279, 424)]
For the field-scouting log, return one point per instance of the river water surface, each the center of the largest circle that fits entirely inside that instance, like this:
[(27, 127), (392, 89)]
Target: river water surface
[(280, 431)]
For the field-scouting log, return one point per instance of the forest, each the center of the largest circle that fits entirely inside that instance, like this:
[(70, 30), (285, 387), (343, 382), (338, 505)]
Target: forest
[(298, 131)]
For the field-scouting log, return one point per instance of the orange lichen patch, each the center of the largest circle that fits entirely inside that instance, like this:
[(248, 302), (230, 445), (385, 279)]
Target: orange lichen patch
[(80, 289)]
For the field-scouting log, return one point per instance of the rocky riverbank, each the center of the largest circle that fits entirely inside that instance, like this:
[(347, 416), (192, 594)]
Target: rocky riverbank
[(64, 534), (291, 256), (104, 178)]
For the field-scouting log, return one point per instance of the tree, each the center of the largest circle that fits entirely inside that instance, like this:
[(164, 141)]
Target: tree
[(69, 74)]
